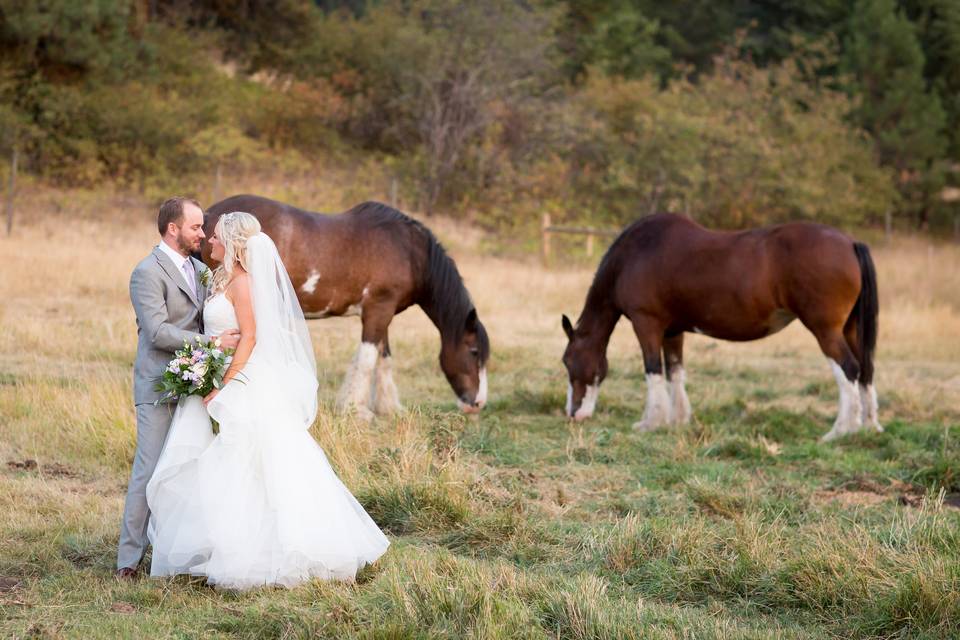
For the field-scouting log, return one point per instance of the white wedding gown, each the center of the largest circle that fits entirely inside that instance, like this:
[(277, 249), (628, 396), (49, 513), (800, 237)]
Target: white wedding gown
[(257, 504)]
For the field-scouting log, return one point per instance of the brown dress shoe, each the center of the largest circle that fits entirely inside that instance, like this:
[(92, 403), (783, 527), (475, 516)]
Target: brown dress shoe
[(126, 573)]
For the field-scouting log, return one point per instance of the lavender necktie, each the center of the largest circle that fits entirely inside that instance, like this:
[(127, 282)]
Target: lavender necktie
[(191, 277)]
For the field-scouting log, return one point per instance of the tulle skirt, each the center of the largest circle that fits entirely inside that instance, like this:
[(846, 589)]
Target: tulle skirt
[(258, 504)]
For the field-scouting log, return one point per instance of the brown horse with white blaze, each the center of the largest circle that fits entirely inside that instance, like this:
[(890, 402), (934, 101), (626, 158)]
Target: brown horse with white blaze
[(374, 261), (669, 276)]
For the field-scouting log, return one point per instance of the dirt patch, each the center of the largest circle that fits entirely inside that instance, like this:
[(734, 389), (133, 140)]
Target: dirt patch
[(863, 492), (8, 584), (54, 469), (59, 470), (123, 607), (916, 500), (850, 498)]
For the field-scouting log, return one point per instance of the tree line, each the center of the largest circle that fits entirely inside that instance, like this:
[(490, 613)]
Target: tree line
[(734, 112)]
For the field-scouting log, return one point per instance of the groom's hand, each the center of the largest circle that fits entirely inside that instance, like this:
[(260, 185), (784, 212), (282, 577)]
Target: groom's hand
[(229, 339)]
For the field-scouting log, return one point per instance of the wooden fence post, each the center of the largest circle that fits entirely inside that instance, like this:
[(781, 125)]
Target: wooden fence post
[(393, 193), (10, 189), (888, 224), (545, 239), (589, 245)]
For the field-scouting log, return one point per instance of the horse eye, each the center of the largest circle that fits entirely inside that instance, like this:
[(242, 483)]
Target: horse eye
[(474, 351)]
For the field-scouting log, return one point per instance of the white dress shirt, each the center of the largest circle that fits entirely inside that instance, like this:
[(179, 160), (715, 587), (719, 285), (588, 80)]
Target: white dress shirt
[(184, 266)]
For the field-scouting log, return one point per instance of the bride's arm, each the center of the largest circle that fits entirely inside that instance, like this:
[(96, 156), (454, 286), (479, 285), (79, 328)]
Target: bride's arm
[(239, 294)]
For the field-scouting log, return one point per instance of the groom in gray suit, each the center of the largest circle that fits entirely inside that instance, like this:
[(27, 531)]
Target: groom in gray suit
[(167, 292)]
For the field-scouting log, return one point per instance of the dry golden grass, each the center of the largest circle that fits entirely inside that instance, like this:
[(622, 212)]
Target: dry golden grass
[(513, 519), (67, 336)]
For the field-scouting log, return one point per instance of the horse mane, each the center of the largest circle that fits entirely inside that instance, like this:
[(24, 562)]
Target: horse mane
[(605, 278), (443, 294), (631, 241)]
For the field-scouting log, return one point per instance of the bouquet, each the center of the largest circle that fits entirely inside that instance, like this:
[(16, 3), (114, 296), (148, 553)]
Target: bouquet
[(195, 370)]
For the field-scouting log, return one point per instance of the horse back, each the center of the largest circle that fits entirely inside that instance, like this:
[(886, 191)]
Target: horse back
[(733, 285), (336, 262)]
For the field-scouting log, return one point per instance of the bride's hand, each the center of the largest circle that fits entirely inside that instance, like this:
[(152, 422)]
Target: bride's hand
[(229, 338), (210, 396)]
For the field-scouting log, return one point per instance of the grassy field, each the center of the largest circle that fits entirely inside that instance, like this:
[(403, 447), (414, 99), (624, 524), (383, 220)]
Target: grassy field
[(516, 524)]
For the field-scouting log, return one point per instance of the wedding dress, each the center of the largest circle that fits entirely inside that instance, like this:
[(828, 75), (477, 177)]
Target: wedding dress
[(259, 503)]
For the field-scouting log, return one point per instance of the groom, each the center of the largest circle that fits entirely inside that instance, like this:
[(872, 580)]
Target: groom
[(167, 292)]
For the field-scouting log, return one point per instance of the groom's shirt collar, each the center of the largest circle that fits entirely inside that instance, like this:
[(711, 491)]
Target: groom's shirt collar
[(178, 259)]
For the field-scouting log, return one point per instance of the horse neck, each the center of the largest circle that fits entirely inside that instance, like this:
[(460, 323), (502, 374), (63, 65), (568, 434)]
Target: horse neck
[(597, 322), (431, 307), (600, 314), (445, 300)]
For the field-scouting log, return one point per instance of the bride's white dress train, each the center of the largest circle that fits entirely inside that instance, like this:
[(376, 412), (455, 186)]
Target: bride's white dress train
[(258, 504)]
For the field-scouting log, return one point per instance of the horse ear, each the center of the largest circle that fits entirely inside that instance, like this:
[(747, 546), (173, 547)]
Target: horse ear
[(471, 322), (567, 327)]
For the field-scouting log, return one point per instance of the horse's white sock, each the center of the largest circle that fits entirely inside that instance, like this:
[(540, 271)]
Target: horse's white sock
[(679, 402), (355, 392), (849, 417), (657, 412), (868, 405), (386, 399)]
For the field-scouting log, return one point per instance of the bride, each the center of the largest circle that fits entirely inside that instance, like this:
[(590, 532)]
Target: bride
[(257, 504)]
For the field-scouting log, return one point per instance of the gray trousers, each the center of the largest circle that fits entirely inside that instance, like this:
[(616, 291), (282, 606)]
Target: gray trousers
[(153, 422)]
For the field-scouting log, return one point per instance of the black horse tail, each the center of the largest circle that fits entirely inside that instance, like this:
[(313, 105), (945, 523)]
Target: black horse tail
[(866, 312)]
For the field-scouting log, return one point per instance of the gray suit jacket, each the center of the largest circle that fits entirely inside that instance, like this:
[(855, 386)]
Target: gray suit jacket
[(167, 315)]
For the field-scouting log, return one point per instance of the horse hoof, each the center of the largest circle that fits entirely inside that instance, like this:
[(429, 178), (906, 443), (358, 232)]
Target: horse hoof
[(831, 435), (389, 410), (360, 413), (645, 426)]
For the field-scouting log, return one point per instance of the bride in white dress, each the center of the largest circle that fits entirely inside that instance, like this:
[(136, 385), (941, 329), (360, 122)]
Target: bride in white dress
[(257, 504)]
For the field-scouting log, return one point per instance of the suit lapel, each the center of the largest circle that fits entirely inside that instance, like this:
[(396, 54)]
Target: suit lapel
[(176, 275), (198, 268)]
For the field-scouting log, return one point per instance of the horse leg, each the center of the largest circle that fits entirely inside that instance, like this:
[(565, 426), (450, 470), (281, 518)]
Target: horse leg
[(846, 370), (386, 399), (673, 357), (657, 411), (355, 393), (868, 394)]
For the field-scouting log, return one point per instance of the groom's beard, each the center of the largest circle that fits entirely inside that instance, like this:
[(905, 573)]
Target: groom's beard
[(185, 247)]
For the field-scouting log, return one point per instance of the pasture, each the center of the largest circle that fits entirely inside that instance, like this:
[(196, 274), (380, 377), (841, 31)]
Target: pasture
[(516, 523)]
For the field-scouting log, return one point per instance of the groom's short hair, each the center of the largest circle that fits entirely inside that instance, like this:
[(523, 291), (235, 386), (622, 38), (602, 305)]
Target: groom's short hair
[(172, 211)]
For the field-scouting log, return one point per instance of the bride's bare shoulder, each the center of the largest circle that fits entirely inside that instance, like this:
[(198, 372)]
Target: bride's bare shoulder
[(238, 289)]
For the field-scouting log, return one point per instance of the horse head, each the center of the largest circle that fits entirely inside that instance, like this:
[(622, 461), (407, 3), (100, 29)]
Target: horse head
[(464, 360), (586, 367)]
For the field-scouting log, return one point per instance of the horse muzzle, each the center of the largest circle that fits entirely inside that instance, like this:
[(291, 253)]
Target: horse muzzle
[(583, 409), (470, 407), (479, 401)]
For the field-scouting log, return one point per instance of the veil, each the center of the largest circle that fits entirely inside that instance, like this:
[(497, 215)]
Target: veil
[(283, 342)]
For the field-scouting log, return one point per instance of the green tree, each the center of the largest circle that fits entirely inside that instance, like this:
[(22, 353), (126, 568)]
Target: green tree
[(741, 146), (68, 41), (938, 28), (885, 62), (616, 37), (427, 80), (265, 34)]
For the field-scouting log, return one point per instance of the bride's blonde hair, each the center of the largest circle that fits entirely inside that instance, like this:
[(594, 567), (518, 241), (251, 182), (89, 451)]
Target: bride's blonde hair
[(233, 230)]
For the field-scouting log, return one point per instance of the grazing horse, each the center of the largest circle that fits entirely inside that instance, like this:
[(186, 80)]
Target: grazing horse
[(669, 275), (374, 261)]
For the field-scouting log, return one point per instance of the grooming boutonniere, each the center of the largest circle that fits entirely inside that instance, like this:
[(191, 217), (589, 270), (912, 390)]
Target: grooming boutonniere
[(205, 277)]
